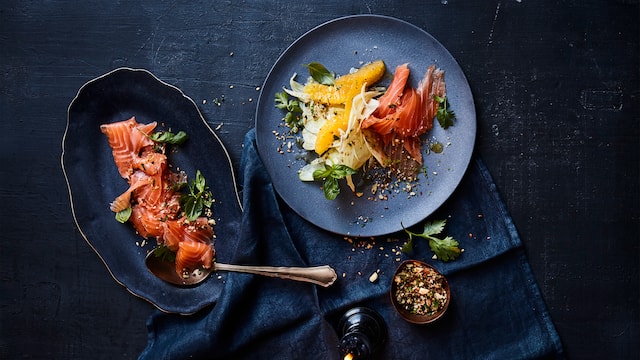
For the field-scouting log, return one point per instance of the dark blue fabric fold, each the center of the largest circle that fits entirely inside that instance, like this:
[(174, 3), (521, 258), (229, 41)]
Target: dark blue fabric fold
[(497, 311)]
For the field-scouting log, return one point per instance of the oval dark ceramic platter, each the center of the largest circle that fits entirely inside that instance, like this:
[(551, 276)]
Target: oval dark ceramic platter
[(93, 180)]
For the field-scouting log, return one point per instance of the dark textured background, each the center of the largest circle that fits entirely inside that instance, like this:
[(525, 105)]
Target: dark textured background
[(556, 85)]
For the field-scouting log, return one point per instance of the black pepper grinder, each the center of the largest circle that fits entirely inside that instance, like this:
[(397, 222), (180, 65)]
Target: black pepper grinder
[(362, 332)]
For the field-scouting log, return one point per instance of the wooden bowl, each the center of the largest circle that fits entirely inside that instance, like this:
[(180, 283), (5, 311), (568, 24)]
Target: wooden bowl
[(419, 292)]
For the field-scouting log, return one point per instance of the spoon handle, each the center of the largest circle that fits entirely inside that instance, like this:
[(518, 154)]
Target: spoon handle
[(320, 275)]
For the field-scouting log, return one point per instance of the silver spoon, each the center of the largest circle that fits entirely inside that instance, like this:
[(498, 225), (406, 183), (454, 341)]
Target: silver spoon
[(320, 275)]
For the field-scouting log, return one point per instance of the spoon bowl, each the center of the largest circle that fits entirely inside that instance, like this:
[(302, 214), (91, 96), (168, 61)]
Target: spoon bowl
[(320, 275)]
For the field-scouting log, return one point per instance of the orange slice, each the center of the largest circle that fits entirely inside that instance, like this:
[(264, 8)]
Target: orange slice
[(343, 91)]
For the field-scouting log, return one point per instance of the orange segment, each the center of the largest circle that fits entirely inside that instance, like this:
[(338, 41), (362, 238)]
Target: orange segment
[(346, 87), (330, 131)]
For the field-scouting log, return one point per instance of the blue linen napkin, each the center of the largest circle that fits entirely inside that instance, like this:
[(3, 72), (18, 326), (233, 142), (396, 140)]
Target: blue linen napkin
[(496, 312)]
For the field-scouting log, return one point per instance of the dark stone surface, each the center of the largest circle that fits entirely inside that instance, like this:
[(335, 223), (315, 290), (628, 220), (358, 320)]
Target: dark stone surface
[(556, 89)]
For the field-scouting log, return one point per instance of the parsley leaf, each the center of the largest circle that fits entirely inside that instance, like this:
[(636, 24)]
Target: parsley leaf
[(292, 118), (445, 249), (444, 115), (198, 198), (320, 73), (330, 176)]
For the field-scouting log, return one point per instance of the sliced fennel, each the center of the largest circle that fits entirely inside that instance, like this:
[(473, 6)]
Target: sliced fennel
[(350, 148)]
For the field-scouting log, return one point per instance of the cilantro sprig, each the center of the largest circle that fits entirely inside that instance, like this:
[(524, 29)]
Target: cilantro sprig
[(329, 176), (445, 249), (444, 115), (197, 199), (292, 107)]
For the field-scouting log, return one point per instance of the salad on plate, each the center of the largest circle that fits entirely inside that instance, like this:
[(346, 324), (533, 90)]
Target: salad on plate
[(352, 123)]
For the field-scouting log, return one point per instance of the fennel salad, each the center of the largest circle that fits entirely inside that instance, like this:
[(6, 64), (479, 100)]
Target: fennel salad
[(351, 123)]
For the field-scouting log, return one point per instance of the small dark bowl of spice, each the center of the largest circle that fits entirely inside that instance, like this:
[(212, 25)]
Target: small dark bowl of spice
[(419, 292)]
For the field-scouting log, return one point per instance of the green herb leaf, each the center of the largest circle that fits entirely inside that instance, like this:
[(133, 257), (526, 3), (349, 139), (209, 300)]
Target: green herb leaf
[(322, 173), (200, 183), (124, 215), (282, 100), (433, 228), (331, 188), (408, 246), (330, 176), (165, 254), (445, 249), (167, 137), (178, 186), (341, 171), (320, 73), (291, 118), (444, 115), (199, 197), (192, 206)]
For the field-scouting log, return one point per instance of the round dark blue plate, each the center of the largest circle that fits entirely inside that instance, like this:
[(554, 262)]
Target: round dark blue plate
[(339, 45), (93, 180)]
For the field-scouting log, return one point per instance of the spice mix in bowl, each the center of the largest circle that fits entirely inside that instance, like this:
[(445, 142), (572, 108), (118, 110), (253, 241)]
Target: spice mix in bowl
[(419, 292)]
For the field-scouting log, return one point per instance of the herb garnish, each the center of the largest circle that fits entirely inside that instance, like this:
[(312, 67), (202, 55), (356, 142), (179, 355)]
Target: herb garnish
[(167, 137), (330, 176), (163, 252), (123, 216), (445, 249), (198, 198), (444, 115), (320, 73), (292, 118)]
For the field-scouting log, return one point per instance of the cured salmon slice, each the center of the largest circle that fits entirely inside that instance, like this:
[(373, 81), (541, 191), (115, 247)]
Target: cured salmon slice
[(149, 161), (390, 100), (181, 230), (192, 255), (123, 201), (153, 196), (431, 85), (148, 223), (126, 139), (403, 114)]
